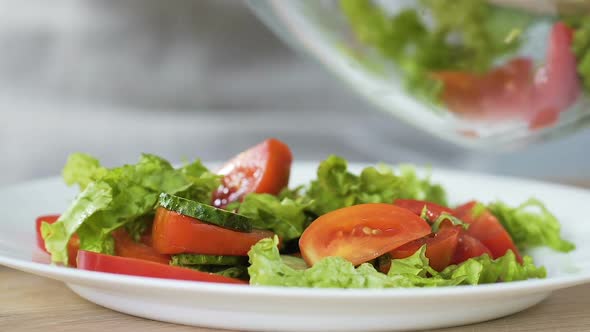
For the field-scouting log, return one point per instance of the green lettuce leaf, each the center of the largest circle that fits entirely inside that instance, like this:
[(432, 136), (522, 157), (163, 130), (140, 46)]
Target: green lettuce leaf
[(484, 270), (203, 182), (95, 197), (113, 198), (285, 217), (414, 187), (139, 226), (336, 187), (442, 218), (531, 224), (415, 271), (82, 169), (269, 269), (378, 185)]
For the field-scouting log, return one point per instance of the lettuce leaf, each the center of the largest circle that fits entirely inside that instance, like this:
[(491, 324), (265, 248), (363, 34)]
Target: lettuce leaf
[(531, 224), (94, 198), (414, 187), (112, 198), (285, 217), (139, 226), (82, 169), (484, 270), (415, 271), (336, 187), (269, 269)]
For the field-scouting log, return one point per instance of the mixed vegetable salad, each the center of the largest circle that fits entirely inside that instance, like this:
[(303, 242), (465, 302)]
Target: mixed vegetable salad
[(466, 55), (242, 224)]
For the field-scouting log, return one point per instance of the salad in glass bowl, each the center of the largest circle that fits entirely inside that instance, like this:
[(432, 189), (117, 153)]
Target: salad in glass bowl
[(480, 73)]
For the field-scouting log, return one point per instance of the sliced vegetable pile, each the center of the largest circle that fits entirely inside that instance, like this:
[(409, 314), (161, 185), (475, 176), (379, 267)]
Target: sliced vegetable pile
[(461, 53), (242, 224)]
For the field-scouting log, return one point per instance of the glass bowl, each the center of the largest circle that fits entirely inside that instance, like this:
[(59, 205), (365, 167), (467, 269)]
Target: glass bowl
[(498, 73)]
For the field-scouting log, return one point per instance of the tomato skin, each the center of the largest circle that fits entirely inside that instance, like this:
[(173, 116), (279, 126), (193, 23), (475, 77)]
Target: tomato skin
[(264, 168), (557, 85), (73, 244), (543, 119), (173, 233), (440, 248), (73, 248), (93, 261), (504, 92), (433, 210), (487, 229), (125, 246), (360, 233), (468, 247), (516, 90)]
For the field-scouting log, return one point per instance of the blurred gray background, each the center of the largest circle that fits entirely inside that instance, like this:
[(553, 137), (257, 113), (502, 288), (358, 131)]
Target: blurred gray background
[(197, 78)]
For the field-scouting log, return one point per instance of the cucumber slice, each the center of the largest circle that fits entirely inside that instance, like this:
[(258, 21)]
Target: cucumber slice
[(205, 213), (194, 259), (238, 272)]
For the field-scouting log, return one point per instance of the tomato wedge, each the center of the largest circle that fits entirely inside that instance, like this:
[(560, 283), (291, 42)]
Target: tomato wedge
[(557, 85), (360, 233), (515, 90), (440, 248), (487, 229), (125, 246), (174, 233), (93, 261), (264, 168), (433, 210), (468, 247), (73, 244), (501, 93)]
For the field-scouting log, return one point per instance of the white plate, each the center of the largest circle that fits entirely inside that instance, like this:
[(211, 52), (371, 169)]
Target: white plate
[(287, 309)]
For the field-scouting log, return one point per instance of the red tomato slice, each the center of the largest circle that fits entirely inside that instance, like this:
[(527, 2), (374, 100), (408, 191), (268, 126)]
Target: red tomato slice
[(130, 266), (73, 244), (544, 118), (557, 85), (174, 233), (264, 168), (440, 248), (468, 247), (433, 210), (488, 230), (360, 233), (503, 92), (125, 246)]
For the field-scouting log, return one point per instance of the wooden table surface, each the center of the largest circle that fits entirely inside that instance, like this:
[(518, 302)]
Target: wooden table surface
[(32, 303)]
